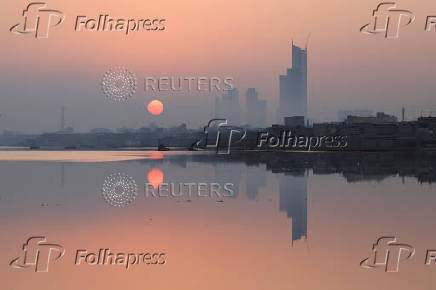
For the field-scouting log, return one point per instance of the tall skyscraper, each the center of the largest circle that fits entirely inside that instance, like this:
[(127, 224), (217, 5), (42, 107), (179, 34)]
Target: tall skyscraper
[(255, 109), (228, 107), (293, 87)]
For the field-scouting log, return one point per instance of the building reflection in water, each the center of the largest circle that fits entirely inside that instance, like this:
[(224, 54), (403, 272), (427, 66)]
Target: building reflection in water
[(293, 201), (229, 173), (291, 173), (255, 179)]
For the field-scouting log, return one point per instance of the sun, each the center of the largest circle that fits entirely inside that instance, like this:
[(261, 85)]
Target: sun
[(155, 177), (155, 107)]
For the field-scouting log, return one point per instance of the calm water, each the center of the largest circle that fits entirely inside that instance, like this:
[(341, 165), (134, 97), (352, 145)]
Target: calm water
[(294, 220)]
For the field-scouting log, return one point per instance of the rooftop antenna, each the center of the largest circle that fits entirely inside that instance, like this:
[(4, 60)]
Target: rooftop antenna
[(307, 41), (62, 118)]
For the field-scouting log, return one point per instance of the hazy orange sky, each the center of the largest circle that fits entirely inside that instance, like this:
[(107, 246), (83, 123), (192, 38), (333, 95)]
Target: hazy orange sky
[(247, 40)]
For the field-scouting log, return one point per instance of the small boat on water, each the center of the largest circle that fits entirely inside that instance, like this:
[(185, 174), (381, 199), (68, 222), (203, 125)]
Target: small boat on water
[(162, 148)]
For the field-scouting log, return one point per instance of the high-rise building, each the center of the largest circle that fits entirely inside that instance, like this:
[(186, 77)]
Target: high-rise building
[(228, 107), (293, 87), (255, 109)]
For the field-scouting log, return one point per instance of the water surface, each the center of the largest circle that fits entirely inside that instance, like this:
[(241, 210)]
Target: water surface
[(295, 221)]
